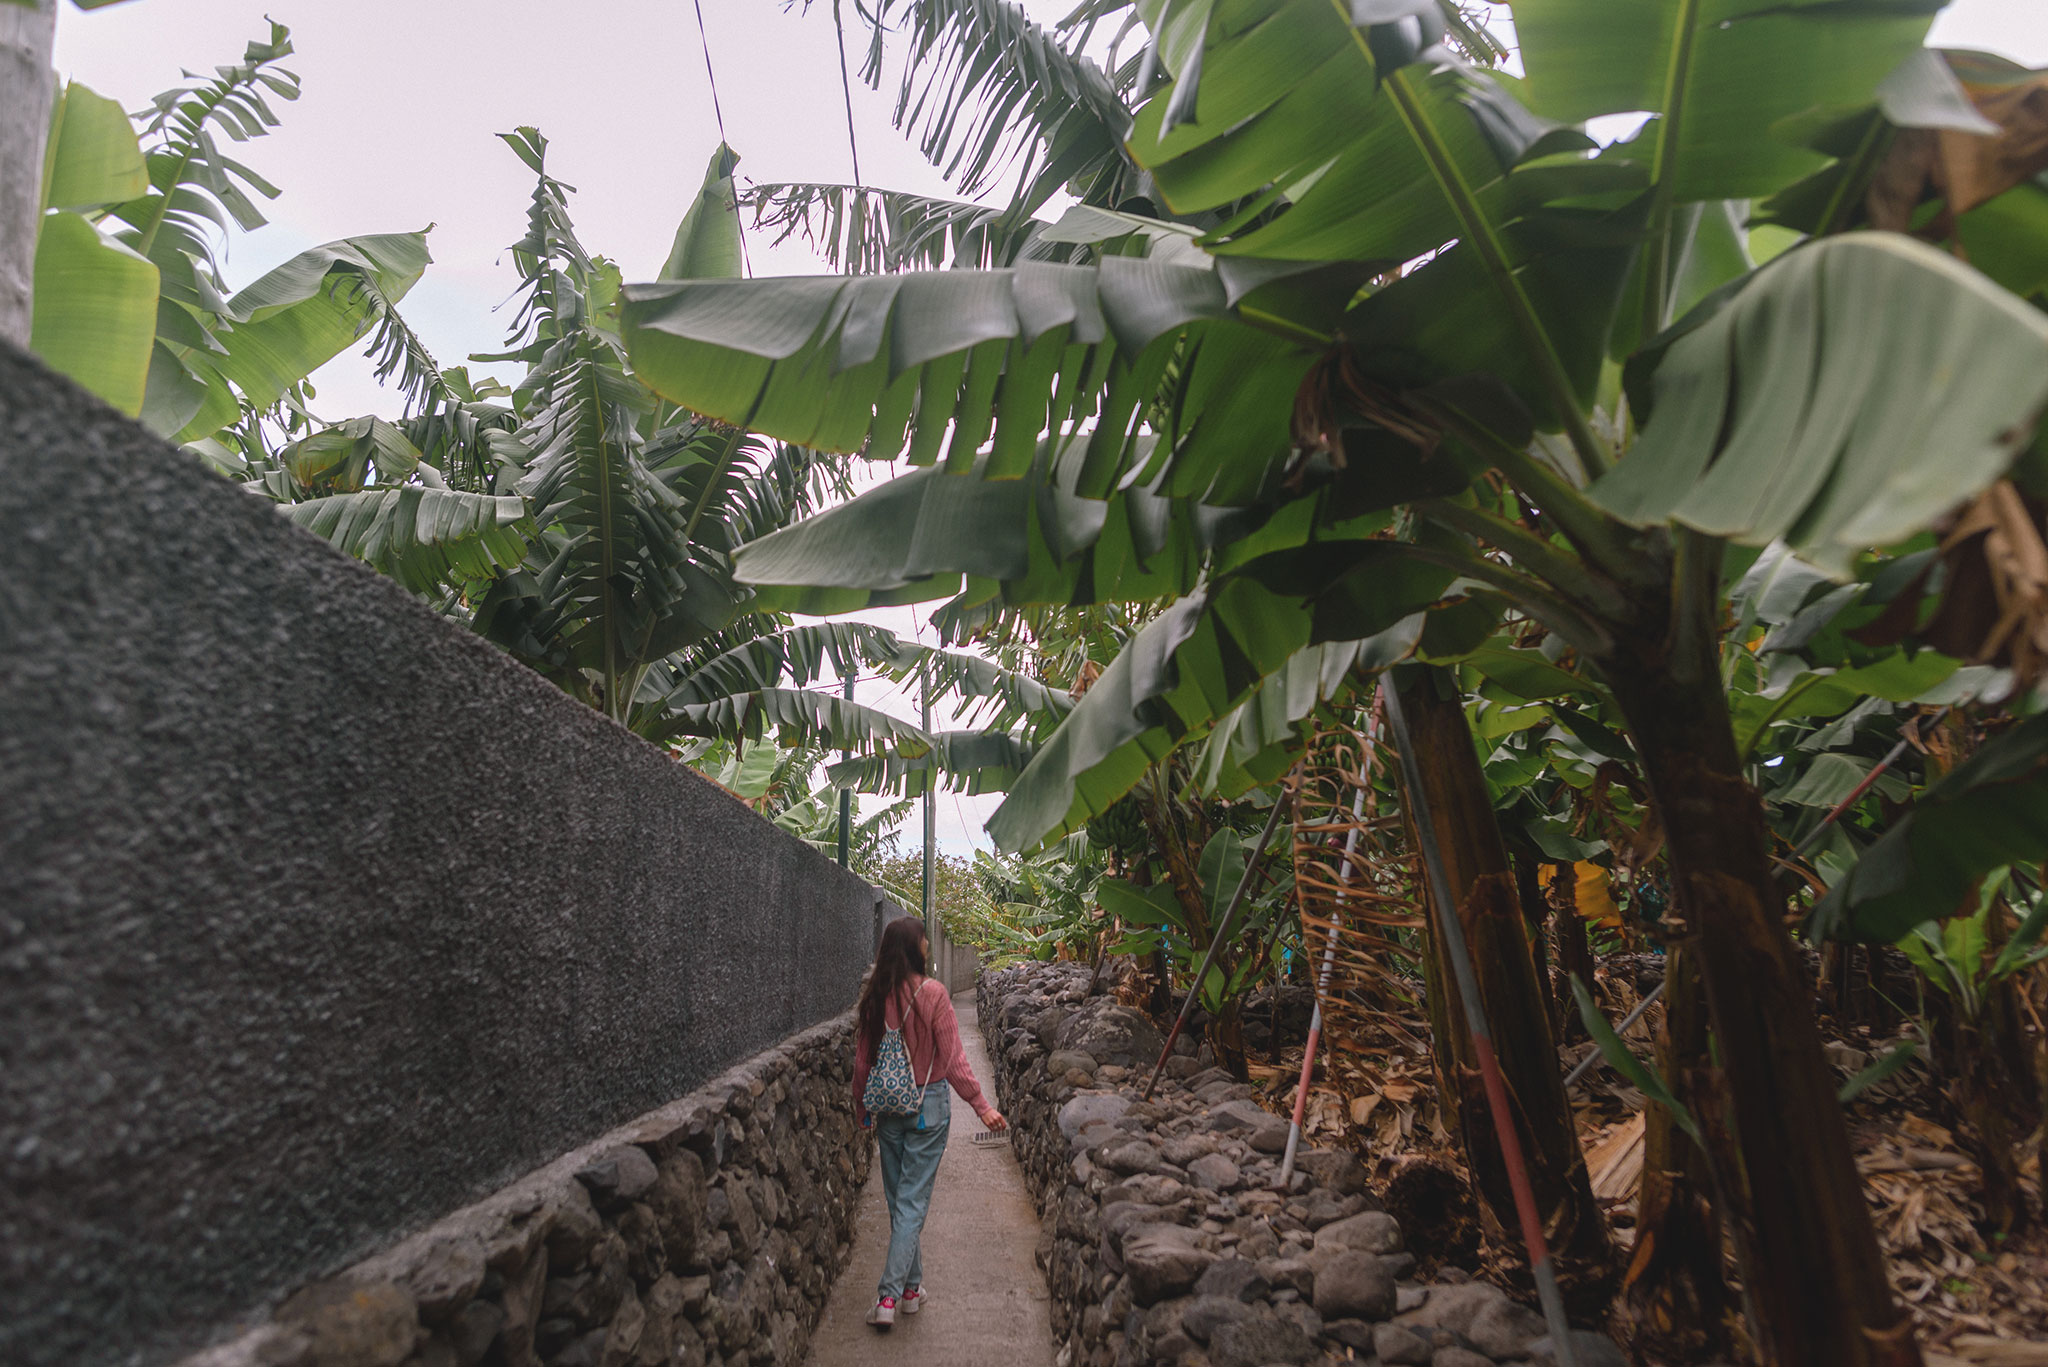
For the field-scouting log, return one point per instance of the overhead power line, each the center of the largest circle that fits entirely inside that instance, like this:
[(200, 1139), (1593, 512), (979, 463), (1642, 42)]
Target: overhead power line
[(846, 91), (718, 114)]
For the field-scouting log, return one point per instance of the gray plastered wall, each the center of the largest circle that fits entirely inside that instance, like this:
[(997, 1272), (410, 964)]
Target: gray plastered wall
[(319, 917)]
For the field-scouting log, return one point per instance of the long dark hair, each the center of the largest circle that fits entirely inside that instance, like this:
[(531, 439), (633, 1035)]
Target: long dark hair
[(900, 959)]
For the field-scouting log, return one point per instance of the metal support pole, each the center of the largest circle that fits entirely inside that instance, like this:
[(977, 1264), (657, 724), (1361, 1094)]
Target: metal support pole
[(1315, 1020), (931, 816), (846, 797), (1455, 950)]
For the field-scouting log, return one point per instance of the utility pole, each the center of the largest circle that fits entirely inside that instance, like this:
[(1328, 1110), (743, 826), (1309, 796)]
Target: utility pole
[(27, 86), (846, 795), (930, 812)]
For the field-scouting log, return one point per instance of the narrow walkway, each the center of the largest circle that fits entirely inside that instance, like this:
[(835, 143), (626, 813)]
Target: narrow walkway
[(989, 1306)]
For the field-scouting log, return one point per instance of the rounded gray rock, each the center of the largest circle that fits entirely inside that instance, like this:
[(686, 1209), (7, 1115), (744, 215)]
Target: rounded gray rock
[(1455, 1308), (1216, 1173), (1063, 1061), (1163, 1261), (1089, 1108), (1206, 1314), (1372, 1231), (1132, 1157), (1397, 1346), (1459, 1357), (1110, 1033), (1353, 1285), (1504, 1330), (1235, 1278), (1259, 1341), (1335, 1170)]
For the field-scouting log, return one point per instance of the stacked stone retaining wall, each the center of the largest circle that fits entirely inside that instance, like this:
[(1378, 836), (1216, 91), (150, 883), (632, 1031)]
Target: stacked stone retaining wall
[(703, 1234), (1164, 1239)]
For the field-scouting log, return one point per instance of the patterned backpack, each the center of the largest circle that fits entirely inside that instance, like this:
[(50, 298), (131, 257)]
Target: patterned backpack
[(893, 1088)]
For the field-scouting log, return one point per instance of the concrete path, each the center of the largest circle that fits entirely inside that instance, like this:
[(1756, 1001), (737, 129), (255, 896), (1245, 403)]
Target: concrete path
[(989, 1306)]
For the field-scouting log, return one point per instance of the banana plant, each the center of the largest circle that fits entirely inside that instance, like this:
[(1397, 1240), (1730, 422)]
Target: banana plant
[(986, 86), (28, 33), (1955, 956), (1155, 919), (1040, 907), (781, 783), (1437, 354), (634, 508), (1977, 1034), (815, 821), (130, 298)]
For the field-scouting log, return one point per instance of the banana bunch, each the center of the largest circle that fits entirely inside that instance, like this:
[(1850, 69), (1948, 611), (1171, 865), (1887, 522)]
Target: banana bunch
[(1120, 829)]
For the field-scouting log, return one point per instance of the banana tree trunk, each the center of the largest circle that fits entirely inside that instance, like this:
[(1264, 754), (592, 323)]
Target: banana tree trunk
[(1982, 1089), (1536, 909), (1818, 1295), (1674, 1301), (1476, 866), (28, 32), (1574, 953)]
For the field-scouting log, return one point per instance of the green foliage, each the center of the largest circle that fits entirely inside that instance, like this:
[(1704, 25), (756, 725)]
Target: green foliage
[(1355, 470), (1953, 955), (1878, 1070), (1984, 815), (865, 231), (958, 896), (95, 309), (781, 783), (1768, 369), (1154, 917), (707, 244), (130, 297), (987, 83), (1646, 1078), (1042, 907)]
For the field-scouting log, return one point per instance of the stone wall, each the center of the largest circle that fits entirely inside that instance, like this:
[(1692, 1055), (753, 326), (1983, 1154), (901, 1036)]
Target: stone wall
[(319, 917), (1164, 1238), (703, 1234)]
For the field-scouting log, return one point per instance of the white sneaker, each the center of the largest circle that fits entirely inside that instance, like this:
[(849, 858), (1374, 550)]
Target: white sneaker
[(913, 1300), (883, 1315)]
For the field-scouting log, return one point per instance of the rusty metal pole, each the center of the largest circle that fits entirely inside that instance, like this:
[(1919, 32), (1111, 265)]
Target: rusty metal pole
[(1315, 1020)]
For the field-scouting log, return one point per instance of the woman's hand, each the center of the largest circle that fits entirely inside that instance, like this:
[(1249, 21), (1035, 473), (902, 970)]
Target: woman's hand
[(994, 1120)]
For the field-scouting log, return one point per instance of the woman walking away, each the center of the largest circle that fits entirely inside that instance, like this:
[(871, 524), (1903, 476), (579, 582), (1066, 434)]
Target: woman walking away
[(906, 1050)]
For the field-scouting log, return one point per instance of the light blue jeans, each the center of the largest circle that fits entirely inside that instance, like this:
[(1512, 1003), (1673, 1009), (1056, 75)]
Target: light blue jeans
[(910, 1165)]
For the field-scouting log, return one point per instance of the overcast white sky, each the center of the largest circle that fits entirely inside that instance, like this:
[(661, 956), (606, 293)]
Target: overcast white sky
[(402, 98)]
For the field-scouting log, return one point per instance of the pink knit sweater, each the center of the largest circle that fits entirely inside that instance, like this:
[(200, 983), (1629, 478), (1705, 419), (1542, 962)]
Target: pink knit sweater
[(932, 1040)]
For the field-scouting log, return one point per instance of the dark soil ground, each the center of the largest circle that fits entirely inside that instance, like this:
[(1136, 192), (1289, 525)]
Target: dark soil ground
[(1978, 1301)]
